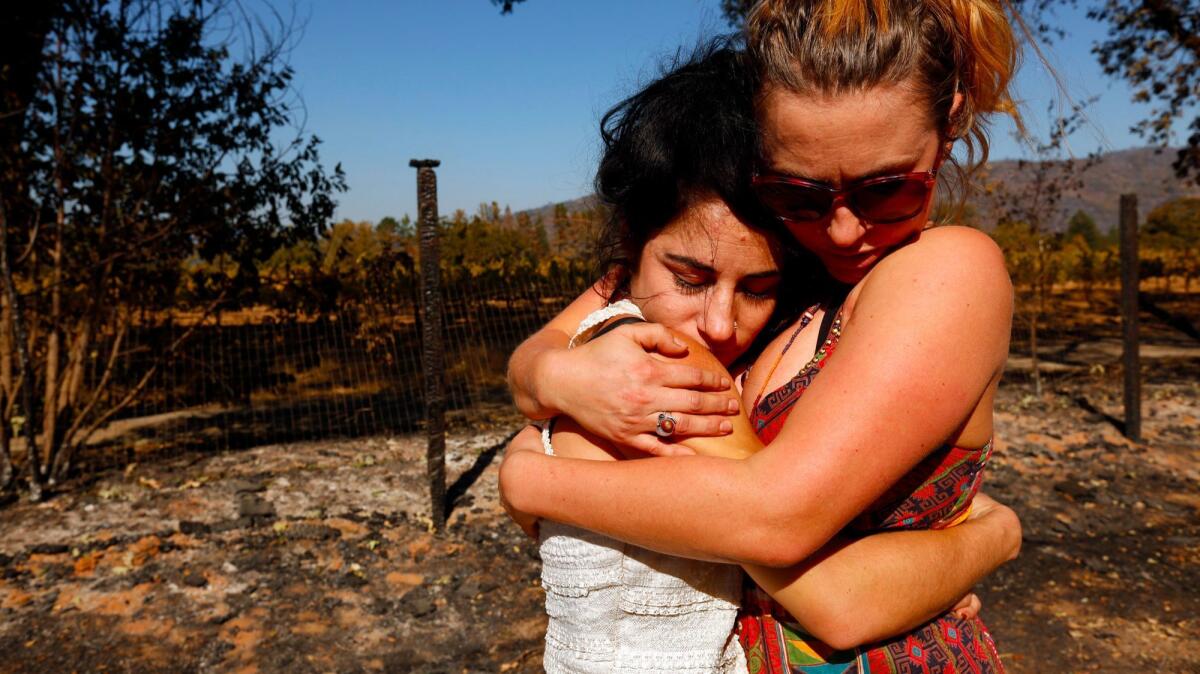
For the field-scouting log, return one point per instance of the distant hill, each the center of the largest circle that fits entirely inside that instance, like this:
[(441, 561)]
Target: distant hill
[(1141, 171), (546, 213)]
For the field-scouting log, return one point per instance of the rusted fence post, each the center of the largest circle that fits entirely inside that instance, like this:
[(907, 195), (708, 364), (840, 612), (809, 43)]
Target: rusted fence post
[(1130, 277), (432, 352)]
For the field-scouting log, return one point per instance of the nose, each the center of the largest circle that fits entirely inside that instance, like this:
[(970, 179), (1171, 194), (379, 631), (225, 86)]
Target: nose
[(845, 228), (718, 324)]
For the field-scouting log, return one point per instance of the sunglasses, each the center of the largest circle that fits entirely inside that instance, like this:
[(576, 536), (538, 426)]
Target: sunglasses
[(881, 201)]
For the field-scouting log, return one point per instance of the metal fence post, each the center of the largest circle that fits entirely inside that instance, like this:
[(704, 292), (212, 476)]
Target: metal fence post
[(432, 351), (1130, 278)]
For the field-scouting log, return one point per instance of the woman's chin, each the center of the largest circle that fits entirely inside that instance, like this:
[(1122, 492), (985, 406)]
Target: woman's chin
[(849, 269)]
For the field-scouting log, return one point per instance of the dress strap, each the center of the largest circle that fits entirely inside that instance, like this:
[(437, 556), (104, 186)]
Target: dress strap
[(616, 324), (826, 325), (804, 321)]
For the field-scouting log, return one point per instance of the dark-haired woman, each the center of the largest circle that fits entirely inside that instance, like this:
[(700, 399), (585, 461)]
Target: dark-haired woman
[(685, 252)]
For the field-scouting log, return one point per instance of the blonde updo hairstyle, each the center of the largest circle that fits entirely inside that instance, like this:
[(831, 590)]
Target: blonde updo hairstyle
[(936, 47)]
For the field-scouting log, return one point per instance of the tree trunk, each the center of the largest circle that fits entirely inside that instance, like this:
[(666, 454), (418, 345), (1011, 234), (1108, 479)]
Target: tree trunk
[(6, 394), (31, 448), (1033, 354), (54, 333), (6, 466), (69, 390), (1035, 317), (1089, 277), (50, 403), (72, 379)]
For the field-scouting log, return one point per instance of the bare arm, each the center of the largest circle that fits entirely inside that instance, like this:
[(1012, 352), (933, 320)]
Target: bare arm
[(925, 344), (847, 593)]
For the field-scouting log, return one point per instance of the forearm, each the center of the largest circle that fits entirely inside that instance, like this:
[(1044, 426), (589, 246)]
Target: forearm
[(858, 591), (640, 502), (528, 371)]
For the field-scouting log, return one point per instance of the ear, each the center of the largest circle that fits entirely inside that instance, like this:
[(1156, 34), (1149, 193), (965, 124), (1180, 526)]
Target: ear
[(953, 121), (952, 124), (956, 105)]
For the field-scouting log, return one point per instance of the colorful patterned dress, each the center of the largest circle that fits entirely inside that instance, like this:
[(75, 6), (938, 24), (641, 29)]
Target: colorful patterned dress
[(934, 495)]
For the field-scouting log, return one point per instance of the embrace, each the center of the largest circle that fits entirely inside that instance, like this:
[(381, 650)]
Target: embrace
[(764, 429)]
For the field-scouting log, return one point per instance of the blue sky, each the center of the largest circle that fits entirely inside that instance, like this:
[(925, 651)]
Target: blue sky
[(510, 104)]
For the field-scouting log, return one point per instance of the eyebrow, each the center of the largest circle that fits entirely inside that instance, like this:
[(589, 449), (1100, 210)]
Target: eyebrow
[(895, 168), (697, 264)]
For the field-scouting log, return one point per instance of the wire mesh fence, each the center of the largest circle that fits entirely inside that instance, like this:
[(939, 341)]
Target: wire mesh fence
[(258, 375)]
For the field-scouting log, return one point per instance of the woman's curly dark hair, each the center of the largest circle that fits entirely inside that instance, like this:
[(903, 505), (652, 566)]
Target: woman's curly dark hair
[(689, 135)]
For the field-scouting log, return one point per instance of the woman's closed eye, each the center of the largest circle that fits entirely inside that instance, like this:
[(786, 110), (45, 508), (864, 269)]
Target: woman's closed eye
[(690, 284), (761, 292), (761, 286), (758, 290)]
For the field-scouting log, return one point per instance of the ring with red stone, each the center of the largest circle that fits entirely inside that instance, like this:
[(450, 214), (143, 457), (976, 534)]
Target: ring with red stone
[(665, 427)]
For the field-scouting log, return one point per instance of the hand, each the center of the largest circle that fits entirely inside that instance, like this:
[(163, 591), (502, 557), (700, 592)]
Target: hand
[(984, 507), (968, 607), (528, 440), (614, 388)]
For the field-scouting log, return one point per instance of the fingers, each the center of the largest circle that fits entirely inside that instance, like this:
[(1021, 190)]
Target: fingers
[(690, 425), (684, 401), (985, 502), (676, 375), (654, 337), (528, 440), (968, 607)]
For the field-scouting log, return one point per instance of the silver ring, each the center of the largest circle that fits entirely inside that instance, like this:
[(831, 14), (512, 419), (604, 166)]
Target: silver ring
[(665, 427)]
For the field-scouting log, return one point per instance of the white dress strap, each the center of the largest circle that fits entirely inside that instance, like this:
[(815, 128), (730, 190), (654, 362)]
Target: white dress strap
[(599, 317)]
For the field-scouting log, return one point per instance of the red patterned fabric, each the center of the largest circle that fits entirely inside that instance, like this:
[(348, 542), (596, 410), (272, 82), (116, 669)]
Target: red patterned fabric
[(934, 495)]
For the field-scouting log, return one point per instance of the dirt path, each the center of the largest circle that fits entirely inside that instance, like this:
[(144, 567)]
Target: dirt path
[(316, 557)]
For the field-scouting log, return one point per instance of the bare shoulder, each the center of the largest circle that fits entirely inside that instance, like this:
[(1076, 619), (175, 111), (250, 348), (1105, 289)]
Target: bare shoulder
[(952, 261), (948, 285), (955, 247)]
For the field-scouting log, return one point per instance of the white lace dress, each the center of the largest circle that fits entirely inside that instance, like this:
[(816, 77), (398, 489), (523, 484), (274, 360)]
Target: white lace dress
[(615, 607)]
